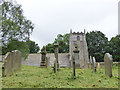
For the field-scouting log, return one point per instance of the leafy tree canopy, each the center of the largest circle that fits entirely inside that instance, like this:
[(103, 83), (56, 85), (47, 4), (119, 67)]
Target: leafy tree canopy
[(97, 44), (115, 48), (14, 25), (33, 47)]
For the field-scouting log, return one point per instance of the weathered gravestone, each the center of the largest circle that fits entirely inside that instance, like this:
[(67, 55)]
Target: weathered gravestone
[(56, 54), (43, 58), (108, 62), (48, 62), (55, 65), (91, 64), (98, 66), (11, 63), (94, 64)]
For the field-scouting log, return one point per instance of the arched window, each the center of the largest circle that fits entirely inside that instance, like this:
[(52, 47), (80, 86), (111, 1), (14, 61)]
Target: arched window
[(78, 37)]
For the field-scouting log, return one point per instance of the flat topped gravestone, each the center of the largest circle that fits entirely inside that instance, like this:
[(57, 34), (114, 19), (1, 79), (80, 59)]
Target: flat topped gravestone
[(11, 63), (108, 62)]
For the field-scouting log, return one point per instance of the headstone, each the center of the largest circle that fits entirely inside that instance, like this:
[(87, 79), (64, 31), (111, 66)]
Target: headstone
[(108, 62), (55, 65), (98, 66), (56, 55), (43, 58), (94, 64), (11, 63), (91, 63), (89, 66), (48, 62), (75, 58)]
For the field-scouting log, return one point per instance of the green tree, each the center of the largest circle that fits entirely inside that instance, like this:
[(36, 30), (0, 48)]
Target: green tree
[(63, 41), (14, 25), (16, 29), (33, 47), (115, 48), (16, 45), (97, 44), (50, 48)]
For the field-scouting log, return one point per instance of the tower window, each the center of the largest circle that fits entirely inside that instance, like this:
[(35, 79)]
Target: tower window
[(78, 37)]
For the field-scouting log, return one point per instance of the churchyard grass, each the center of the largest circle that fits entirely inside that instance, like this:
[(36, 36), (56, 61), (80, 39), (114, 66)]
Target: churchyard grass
[(36, 77), (0, 77)]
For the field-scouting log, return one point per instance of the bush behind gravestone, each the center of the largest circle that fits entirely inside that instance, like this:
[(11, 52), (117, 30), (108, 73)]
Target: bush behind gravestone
[(16, 45)]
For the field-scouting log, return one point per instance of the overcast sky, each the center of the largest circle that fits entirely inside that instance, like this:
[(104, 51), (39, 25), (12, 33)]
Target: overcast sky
[(53, 17)]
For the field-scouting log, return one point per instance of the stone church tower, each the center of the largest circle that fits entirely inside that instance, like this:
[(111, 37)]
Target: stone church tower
[(79, 39)]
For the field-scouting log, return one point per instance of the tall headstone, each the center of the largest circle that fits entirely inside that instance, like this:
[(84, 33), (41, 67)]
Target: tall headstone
[(94, 64), (91, 63), (75, 58), (11, 63), (56, 54), (108, 62), (80, 39), (98, 66), (55, 65), (43, 58)]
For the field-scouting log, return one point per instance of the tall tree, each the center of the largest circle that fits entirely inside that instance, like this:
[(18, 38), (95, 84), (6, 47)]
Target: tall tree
[(115, 48), (97, 44), (14, 25), (63, 41), (16, 45), (33, 47), (16, 29)]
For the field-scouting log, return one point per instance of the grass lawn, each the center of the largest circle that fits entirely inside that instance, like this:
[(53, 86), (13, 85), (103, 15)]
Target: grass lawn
[(35, 77)]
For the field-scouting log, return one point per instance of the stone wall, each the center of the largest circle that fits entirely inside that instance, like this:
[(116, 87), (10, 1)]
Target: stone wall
[(35, 59)]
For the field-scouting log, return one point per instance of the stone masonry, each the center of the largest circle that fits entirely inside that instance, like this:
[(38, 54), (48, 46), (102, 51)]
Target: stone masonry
[(79, 39)]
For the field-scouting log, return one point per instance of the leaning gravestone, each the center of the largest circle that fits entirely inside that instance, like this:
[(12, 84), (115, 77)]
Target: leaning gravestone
[(11, 63), (108, 62), (94, 64)]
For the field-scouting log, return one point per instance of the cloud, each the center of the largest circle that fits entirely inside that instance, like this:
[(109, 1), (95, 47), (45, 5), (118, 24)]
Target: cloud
[(53, 17)]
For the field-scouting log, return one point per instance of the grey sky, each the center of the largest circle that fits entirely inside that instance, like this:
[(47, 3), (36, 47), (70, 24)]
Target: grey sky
[(53, 17)]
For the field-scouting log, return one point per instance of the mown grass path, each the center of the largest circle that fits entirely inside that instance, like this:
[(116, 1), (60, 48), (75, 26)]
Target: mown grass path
[(36, 77)]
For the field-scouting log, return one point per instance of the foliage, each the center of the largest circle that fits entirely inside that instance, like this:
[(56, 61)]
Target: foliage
[(35, 77), (16, 29), (50, 48), (114, 48), (14, 25), (63, 41), (97, 44), (33, 47), (16, 45)]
